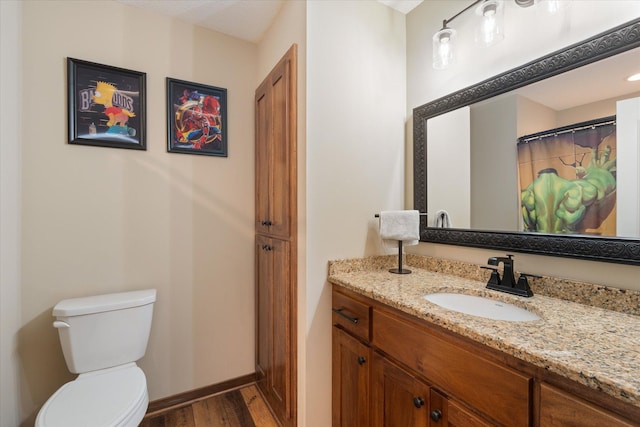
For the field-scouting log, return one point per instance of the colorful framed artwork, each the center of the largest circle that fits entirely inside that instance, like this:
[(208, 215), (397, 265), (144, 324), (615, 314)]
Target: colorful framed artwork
[(196, 118), (107, 105)]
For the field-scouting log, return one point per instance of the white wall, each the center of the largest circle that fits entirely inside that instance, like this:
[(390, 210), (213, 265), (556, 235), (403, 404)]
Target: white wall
[(628, 167), (355, 156), (524, 42), (449, 167), (494, 188), (98, 220), (10, 183)]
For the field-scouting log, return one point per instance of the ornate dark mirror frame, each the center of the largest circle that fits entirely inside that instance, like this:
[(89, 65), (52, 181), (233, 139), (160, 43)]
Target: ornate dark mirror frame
[(607, 249)]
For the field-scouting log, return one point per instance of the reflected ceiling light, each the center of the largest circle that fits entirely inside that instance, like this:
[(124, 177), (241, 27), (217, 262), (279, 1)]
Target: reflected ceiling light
[(634, 78)]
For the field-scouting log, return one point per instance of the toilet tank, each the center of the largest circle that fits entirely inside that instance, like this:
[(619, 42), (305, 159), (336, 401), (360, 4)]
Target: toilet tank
[(103, 331)]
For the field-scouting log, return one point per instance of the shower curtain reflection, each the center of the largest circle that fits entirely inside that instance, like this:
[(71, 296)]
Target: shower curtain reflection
[(567, 179)]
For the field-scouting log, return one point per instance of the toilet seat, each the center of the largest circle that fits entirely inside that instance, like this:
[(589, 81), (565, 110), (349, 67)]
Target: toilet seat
[(105, 398)]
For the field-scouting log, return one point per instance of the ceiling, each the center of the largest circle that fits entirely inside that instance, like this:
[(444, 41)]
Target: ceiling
[(600, 80), (244, 19)]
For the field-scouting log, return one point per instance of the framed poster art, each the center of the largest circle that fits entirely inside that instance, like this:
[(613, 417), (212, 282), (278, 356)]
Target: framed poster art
[(196, 118), (107, 105)]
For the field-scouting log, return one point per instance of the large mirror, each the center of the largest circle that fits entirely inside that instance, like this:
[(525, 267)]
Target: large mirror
[(566, 95)]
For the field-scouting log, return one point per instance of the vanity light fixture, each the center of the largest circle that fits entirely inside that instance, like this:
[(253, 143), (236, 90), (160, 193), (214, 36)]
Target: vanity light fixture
[(553, 7), (489, 28), (443, 47)]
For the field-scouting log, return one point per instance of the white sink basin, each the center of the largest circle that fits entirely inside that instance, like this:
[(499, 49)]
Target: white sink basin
[(482, 307)]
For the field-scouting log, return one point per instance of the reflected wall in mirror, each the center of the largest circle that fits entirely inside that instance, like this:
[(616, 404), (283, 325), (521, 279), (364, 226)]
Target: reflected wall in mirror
[(467, 141)]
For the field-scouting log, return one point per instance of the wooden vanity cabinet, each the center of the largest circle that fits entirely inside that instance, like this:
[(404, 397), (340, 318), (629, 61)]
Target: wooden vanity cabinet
[(351, 357), (416, 374), (494, 390), (561, 409), (399, 399), (351, 375), (371, 389)]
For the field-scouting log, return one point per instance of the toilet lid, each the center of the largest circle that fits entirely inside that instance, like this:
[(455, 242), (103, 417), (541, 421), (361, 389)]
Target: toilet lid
[(111, 397)]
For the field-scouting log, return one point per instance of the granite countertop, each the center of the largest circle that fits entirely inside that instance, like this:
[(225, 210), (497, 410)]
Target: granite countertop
[(597, 347)]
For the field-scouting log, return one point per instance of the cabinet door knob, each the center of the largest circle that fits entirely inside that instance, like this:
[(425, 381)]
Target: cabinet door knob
[(418, 402), (361, 360), (436, 415), (266, 248)]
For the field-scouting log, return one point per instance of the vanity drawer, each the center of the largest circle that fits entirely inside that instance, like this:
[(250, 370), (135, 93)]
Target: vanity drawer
[(352, 315), (499, 392)]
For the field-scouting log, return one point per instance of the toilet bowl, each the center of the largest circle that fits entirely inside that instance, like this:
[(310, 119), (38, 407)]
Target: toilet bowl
[(116, 397), (101, 337)]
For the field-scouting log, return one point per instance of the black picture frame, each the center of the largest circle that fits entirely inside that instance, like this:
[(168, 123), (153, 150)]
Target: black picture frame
[(196, 118), (106, 105)]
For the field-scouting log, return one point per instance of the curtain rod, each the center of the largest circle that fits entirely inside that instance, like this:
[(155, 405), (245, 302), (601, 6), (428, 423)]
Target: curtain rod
[(526, 139)]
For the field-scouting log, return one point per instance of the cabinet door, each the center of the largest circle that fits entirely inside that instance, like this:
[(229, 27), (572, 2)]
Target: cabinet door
[(264, 277), (351, 378), (273, 363), (263, 156), (280, 206), (275, 151), (399, 400), (560, 409)]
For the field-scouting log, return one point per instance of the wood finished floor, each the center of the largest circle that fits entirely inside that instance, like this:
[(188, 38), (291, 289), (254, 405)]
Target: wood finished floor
[(243, 407)]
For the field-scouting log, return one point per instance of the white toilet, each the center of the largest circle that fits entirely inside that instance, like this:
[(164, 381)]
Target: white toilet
[(102, 337)]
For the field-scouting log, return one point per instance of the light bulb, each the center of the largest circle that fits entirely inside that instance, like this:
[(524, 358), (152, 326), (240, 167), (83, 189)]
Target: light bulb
[(489, 29), (443, 48), (553, 7)]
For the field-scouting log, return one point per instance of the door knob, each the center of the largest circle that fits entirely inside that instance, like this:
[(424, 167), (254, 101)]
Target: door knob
[(418, 402), (436, 415), (361, 360)]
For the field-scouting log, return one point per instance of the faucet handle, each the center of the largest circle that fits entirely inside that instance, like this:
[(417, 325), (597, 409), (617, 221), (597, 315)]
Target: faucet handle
[(494, 279), (523, 284)]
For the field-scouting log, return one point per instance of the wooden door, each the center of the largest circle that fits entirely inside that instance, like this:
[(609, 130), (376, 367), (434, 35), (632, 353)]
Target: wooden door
[(398, 399), (263, 156), (264, 277), (351, 379), (276, 240), (275, 150), (280, 208), (274, 323)]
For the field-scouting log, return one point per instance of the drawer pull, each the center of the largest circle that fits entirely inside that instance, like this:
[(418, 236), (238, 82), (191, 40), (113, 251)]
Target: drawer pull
[(418, 402), (362, 360), (349, 318), (436, 415)]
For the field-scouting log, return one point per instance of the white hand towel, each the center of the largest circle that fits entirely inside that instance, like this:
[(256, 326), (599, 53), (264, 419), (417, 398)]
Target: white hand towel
[(400, 225), (443, 220)]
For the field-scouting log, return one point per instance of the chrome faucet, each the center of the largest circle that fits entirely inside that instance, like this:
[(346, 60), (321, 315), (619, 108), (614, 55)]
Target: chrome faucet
[(508, 281)]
